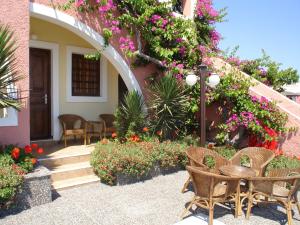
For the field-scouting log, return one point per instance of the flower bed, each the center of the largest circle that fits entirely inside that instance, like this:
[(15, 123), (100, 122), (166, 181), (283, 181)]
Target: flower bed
[(15, 163), (136, 160)]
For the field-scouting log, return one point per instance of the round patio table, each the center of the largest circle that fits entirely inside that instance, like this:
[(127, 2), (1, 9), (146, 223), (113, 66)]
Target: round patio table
[(237, 171), (240, 172)]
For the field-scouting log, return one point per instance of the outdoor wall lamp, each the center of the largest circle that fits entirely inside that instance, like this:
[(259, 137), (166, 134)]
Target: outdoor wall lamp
[(213, 81)]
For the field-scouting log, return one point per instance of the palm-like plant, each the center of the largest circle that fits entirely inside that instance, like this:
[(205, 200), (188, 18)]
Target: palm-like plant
[(130, 116), (168, 106), (8, 70)]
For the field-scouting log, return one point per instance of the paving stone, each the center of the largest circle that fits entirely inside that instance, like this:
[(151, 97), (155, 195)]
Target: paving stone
[(153, 202)]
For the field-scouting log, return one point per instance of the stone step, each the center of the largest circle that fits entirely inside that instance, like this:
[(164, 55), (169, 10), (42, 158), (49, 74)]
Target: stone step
[(74, 182), (60, 160), (70, 171)]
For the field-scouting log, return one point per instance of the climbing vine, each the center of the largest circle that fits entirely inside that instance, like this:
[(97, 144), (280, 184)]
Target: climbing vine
[(155, 33)]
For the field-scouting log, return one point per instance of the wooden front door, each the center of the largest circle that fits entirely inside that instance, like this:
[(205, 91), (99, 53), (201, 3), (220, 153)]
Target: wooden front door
[(40, 93)]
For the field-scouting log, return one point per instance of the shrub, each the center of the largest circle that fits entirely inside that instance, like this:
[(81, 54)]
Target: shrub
[(10, 180), (9, 73), (135, 159), (130, 116), (282, 161), (168, 106)]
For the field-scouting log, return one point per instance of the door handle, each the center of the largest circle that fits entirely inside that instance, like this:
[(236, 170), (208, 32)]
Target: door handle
[(46, 99)]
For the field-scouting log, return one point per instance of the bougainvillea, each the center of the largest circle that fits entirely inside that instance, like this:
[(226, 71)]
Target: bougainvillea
[(259, 116), (161, 37), (264, 69)]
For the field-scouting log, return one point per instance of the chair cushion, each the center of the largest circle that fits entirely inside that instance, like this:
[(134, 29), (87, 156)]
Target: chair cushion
[(74, 132), (280, 191), (220, 189)]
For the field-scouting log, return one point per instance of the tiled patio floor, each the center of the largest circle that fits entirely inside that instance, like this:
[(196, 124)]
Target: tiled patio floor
[(154, 202)]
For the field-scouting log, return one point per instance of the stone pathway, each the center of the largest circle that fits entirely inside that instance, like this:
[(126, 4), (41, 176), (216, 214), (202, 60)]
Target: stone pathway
[(154, 202)]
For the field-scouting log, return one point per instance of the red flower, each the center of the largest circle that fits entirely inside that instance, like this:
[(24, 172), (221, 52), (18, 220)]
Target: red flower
[(15, 154), (34, 146), (159, 132), (135, 138), (40, 150), (27, 149), (33, 161), (145, 129), (114, 135)]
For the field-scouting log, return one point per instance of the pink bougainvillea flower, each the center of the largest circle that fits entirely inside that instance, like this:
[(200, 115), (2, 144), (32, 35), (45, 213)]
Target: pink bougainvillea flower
[(79, 3), (215, 37), (204, 9), (126, 44)]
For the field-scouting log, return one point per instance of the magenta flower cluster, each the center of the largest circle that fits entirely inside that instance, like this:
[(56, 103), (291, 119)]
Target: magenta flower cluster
[(109, 6), (244, 119), (264, 103), (158, 21), (79, 3), (205, 9), (215, 37), (126, 44), (262, 72), (234, 61), (233, 122)]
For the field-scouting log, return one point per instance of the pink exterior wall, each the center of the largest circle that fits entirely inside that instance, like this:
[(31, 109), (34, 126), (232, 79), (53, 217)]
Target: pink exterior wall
[(16, 15)]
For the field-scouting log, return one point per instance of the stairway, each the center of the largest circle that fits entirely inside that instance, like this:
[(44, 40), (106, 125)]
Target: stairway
[(69, 167)]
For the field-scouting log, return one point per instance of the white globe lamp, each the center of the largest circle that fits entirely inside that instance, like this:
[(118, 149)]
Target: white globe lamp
[(191, 79), (213, 80)]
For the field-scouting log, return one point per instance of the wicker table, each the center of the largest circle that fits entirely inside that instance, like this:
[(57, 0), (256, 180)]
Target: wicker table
[(241, 172), (237, 171)]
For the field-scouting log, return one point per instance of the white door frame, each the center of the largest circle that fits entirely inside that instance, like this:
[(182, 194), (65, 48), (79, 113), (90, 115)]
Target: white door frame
[(54, 48)]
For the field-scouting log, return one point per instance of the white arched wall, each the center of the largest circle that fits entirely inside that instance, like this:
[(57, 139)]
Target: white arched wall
[(91, 36)]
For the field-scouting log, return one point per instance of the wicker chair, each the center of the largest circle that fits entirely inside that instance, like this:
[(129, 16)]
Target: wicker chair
[(259, 158), (69, 122), (274, 189), (108, 123), (211, 189), (196, 157)]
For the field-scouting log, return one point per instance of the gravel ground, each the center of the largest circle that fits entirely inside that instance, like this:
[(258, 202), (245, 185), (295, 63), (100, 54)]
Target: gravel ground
[(156, 202)]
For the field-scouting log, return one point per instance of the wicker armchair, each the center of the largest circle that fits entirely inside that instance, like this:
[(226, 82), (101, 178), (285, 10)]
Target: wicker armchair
[(108, 120), (69, 122), (259, 158), (274, 191), (196, 157), (211, 189)]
